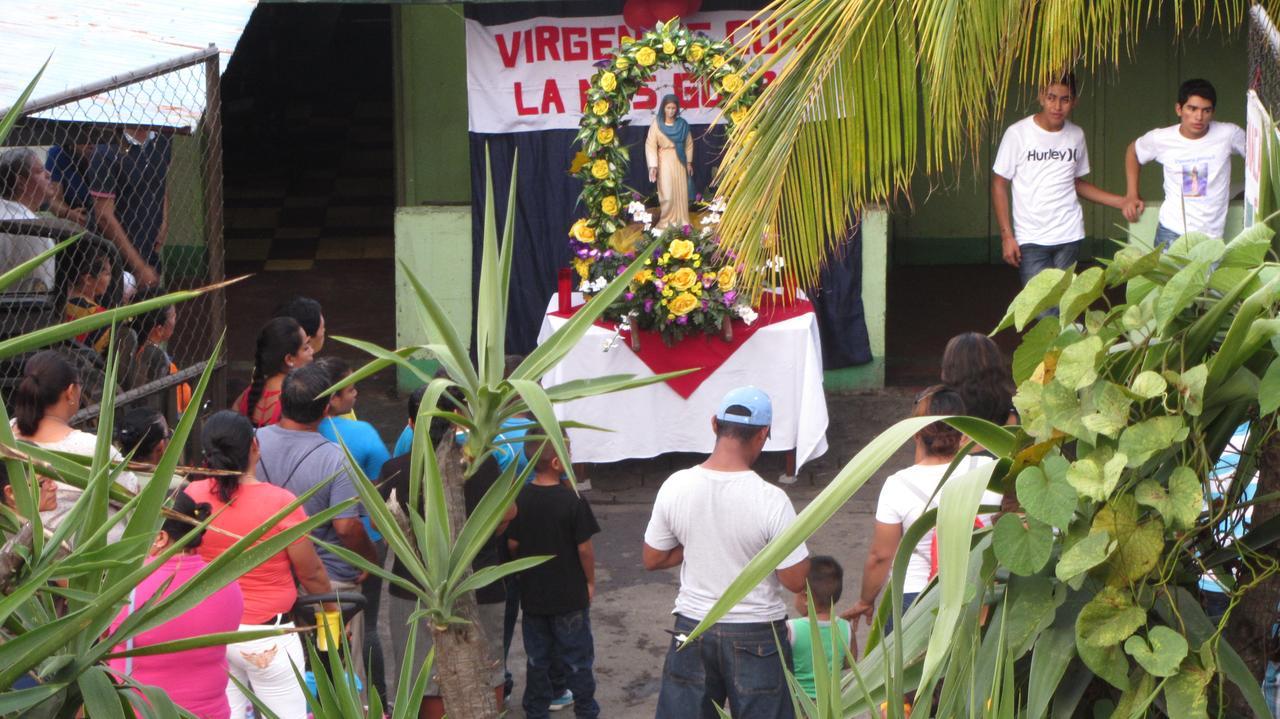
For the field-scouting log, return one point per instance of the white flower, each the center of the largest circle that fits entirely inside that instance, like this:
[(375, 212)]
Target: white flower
[(718, 205), (747, 314), (599, 284), (585, 286)]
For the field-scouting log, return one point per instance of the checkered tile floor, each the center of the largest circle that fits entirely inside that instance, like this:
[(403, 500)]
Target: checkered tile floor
[(327, 193)]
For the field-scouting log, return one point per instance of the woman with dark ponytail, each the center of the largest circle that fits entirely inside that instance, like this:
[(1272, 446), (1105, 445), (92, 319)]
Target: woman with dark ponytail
[(241, 504), (43, 404), (196, 679), (282, 346)]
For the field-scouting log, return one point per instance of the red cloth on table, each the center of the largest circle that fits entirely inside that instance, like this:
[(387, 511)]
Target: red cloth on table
[(699, 350)]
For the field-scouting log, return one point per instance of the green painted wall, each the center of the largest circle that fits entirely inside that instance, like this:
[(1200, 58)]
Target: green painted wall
[(953, 222), (435, 243), (877, 231), (432, 155)]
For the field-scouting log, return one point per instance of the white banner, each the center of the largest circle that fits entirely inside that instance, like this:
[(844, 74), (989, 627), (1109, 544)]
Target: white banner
[(534, 74)]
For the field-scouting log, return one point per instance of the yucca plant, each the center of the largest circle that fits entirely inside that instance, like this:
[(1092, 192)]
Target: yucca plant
[(61, 589), (1083, 600), (438, 545)]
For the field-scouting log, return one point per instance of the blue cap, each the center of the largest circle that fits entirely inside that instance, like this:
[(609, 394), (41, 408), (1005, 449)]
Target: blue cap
[(755, 401)]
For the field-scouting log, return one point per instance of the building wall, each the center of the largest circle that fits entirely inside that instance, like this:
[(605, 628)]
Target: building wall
[(433, 175), (953, 221)]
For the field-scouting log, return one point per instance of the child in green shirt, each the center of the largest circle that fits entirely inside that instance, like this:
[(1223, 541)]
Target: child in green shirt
[(826, 582)]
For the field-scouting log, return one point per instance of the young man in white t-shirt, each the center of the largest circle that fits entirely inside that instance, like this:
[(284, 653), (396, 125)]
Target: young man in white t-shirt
[(710, 520), (1043, 157), (1196, 155)]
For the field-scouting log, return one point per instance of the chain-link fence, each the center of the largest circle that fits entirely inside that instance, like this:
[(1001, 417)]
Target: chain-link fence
[(133, 163), (1264, 59)]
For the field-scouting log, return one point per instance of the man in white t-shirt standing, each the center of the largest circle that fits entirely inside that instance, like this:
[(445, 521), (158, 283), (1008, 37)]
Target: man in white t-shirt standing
[(1196, 155), (710, 520), (1043, 157)]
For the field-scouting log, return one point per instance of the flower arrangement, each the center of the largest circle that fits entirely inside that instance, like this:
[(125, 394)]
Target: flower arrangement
[(603, 241)]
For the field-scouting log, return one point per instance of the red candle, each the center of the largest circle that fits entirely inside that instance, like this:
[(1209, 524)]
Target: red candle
[(565, 289)]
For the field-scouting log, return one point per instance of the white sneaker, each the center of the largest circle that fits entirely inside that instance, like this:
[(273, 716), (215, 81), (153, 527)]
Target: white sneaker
[(563, 701), (787, 479)]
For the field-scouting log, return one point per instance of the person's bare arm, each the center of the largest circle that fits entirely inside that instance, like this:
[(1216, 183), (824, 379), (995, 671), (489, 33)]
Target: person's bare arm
[(1093, 193), (587, 558), (60, 208), (309, 570), (104, 212), (655, 559), (1134, 205), (884, 544), (352, 536), (513, 547), (794, 577), (1000, 201)]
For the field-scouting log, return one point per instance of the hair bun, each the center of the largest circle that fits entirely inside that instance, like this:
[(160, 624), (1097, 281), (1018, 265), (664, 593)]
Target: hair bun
[(202, 511)]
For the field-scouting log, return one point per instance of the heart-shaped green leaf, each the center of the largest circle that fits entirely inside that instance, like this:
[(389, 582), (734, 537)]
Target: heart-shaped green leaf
[(1032, 603), (1041, 293), (1096, 476), (1191, 388), (1184, 692), (1108, 619), (1180, 504), (1139, 546), (1085, 288), (1084, 555), (1180, 290), (1249, 248), (1148, 384), (1047, 497), (1160, 653), (1035, 343), (1109, 663), (1110, 410), (1022, 547), (1140, 441), (1078, 363), (1062, 408)]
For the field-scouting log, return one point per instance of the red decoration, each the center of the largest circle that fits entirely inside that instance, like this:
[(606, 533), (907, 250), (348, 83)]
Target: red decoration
[(564, 289), (638, 14), (694, 6), (664, 10)]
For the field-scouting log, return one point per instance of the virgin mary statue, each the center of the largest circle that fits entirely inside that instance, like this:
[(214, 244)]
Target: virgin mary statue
[(669, 151)]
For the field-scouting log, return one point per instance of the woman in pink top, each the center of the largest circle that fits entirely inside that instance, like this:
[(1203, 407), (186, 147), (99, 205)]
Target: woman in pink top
[(282, 346), (241, 504), (196, 679)]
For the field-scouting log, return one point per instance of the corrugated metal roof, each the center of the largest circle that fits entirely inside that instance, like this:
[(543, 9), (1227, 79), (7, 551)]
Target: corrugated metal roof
[(88, 41)]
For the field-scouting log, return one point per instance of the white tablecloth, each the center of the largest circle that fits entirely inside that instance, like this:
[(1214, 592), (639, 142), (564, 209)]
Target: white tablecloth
[(783, 359)]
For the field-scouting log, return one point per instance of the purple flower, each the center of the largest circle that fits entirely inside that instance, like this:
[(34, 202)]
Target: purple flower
[(630, 255), (630, 296), (698, 197), (682, 320), (602, 63), (657, 252), (635, 196), (730, 296), (648, 305), (621, 269), (704, 304), (687, 229), (658, 285), (608, 253), (707, 280), (658, 271)]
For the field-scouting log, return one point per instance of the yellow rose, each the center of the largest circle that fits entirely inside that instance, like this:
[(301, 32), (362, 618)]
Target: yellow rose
[(609, 206), (642, 277), (727, 278), (604, 135), (582, 232), (600, 169), (621, 63), (683, 304), (717, 61), (738, 115), (608, 81), (627, 39), (680, 249), (645, 56), (695, 53), (600, 107), (682, 279), (731, 83), (668, 47)]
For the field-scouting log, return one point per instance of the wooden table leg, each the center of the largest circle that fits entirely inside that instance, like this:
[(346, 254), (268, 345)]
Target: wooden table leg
[(789, 472)]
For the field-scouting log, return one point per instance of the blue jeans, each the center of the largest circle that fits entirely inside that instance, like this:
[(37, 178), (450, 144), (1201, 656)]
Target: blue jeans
[(1036, 258), (563, 638), (907, 599), (1165, 236), (737, 663)]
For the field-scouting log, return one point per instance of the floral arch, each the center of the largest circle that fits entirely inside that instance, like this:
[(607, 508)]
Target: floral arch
[(604, 242)]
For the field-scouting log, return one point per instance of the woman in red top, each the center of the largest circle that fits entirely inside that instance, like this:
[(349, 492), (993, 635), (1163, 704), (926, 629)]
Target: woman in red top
[(282, 346), (241, 504)]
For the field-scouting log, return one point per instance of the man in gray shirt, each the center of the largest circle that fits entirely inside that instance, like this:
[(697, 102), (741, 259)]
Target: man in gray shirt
[(296, 457)]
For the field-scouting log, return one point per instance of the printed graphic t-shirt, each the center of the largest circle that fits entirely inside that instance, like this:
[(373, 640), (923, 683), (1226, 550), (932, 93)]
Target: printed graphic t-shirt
[(1042, 167), (1197, 175)]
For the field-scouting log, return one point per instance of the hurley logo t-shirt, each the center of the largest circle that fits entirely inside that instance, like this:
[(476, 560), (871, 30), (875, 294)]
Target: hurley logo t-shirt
[(1042, 167), (1197, 175)]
